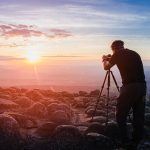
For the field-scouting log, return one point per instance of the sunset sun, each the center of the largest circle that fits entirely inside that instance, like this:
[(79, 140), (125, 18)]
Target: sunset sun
[(33, 57)]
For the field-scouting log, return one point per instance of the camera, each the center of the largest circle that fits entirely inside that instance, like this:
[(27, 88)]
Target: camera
[(106, 57)]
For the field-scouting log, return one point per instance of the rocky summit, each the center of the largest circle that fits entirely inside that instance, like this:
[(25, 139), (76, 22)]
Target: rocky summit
[(39, 119)]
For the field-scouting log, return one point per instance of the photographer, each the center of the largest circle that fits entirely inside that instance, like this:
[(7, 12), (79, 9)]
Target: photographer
[(132, 93)]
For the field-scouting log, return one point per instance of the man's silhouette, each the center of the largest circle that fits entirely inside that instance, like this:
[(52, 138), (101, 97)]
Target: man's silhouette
[(132, 93)]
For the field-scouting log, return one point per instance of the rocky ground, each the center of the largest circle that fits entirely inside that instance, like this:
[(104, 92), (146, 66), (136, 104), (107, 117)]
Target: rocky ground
[(46, 120)]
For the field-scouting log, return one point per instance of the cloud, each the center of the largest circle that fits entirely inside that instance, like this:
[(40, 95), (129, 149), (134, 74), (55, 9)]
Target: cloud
[(22, 32), (5, 27), (60, 33), (10, 45), (63, 56), (12, 30), (9, 58)]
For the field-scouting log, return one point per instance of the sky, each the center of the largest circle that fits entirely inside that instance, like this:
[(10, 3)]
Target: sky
[(68, 37)]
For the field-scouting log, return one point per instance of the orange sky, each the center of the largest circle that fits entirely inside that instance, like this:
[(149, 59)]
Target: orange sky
[(65, 40)]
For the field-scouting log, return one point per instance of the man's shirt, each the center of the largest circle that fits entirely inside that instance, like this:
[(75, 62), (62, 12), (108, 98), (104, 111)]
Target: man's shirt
[(130, 66)]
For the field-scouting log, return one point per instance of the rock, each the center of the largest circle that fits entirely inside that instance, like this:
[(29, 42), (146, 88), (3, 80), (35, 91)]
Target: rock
[(90, 112), (75, 94), (95, 141), (8, 124), (79, 104), (67, 137), (64, 107), (147, 132), (66, 100), (147, 119), (37, 109), (94, 93), (13, 90), (66, 94), (23, 101), (111, 115), (35, 95), (45, 130), (88, 108), (35, 143), (10, 138), (145, 145), (7, 104), (83, 93), (82, 129), (86, 100), (52, 107), (99, 119), (60, 117), (48, 101), (61, 107), (68, 110), (95, 127), (23, 120), (4, 96), (147, 109), (101, 105), (112, 130), (148, 103)]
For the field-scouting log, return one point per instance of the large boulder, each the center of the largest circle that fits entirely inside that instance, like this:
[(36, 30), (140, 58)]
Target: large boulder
[(67, 109), (23, 101), (59, 107), (45, 130), (147, 132), (10, 138), (60, 117), (5, 96), (48, 101), (79, 104), (7, 104), (13, 90), (37, 110), (8, 124), (23, 120), (100, 119), (95, 127), (112, 130), (91, 112), (52, 107), (148, 103), (83, 93), (147, 119), (95, 141), (82, 128), (94, 93), (35, 95), (67, 137), (147, 109)]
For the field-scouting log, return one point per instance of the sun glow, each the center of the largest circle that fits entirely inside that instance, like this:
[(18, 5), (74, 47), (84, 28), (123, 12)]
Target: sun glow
[(33, 57)]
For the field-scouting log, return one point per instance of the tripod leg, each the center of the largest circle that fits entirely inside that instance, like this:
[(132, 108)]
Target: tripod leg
[(99, 95), (108, 99), (115, 81)]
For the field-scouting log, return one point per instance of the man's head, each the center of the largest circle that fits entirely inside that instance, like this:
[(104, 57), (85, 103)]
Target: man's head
[(117, 45)]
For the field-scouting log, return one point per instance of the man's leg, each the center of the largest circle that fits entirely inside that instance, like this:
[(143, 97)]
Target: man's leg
[(122, 110), (138, 119)]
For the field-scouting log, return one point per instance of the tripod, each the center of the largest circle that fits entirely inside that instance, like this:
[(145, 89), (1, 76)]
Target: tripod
[(107, 77)]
